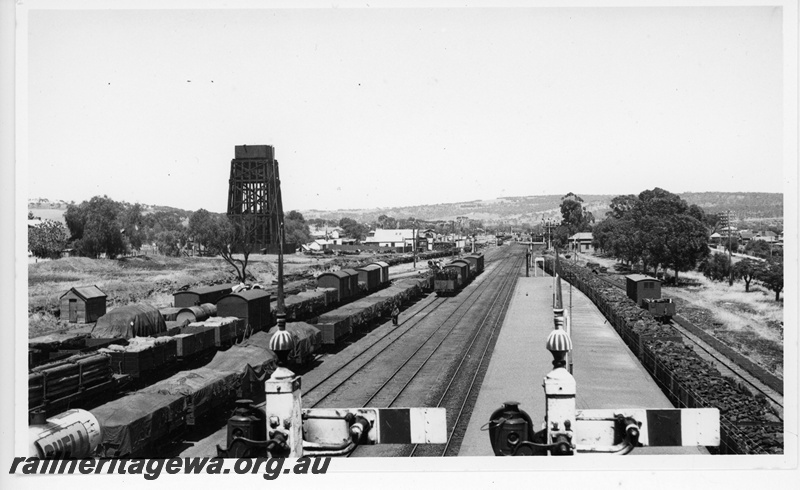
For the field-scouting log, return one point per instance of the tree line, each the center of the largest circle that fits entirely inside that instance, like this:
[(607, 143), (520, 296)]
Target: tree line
[(659, 229)]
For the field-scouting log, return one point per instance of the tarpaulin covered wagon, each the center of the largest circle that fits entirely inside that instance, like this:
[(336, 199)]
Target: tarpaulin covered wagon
[(130, 321)]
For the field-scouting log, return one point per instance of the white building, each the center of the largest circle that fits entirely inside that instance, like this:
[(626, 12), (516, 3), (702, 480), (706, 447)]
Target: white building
[(581, 242)]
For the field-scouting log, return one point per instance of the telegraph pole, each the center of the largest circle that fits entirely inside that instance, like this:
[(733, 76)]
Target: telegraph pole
[(414, 243), (730, 250)]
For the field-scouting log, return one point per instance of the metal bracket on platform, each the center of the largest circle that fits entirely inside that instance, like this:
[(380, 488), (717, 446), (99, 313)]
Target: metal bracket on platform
[(568, 431), (297, 432)]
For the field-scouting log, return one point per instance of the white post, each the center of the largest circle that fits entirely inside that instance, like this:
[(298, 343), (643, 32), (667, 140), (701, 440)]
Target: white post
[(283, 407)]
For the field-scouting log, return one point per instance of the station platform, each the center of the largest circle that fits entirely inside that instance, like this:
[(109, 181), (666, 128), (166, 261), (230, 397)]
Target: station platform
[(606, 372)]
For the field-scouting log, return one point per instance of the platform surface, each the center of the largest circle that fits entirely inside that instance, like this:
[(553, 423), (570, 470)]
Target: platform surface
[(606, 372)]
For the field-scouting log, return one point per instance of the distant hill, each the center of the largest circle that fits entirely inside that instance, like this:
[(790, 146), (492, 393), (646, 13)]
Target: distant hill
[(532, 209), (54, 210), (746, 205), (503, 210)]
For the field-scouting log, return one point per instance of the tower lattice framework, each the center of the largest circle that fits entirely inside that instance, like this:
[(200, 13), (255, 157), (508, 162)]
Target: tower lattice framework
[(254, 195)]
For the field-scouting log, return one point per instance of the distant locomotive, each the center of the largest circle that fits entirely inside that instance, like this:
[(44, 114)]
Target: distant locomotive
[(455, 275), (645, 291)]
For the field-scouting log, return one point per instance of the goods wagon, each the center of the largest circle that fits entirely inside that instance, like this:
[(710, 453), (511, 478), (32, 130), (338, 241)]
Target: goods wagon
[(341, 281), (470, 272), (369, 277), (142, 420), (451, 278), (352, 282), (384, 271), (476, 263), (251, 305), (226, 330), (645, 291), (125, 322)]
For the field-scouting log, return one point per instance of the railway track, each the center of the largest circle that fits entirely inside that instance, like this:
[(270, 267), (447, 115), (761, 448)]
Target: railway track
[(771, 390), (470, 372), (422, 362)]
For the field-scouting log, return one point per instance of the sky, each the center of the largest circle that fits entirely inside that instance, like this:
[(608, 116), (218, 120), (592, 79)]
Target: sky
[(381, 107)]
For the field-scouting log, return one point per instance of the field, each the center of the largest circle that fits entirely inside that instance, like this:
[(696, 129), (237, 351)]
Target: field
[(153, 278), (751, 323)]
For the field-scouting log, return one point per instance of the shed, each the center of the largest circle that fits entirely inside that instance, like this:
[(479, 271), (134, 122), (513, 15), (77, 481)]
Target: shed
[(370, 277), (384, 271), (200, 295), (251, 305), (83, 304), (640, 287), (581, 242), (125, 322)]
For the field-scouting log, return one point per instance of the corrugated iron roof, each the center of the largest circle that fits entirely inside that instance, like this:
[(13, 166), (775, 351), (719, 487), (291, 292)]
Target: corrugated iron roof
[(87, 292)]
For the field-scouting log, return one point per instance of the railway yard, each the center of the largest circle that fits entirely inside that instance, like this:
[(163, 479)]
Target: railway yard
[(462, 330)]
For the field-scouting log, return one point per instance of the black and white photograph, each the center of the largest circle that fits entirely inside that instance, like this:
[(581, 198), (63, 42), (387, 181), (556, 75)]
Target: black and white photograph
[(313, 242)]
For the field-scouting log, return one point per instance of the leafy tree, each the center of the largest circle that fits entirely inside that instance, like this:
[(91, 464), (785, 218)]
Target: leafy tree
[(75, 218), (747, 270), (627, 243), (96, 228), (320, 222), (731, 245), (48, 239), (697, 213), (169, 243), (658, 202), (163, 220), (295, 216), (203, 227), (603, 234), (295, 228), (353, 228), (771, 276), (758, 248), (387, 222), (621, 205), (561, 235), (134, 226), (657, 228), (229, 240), (716, 267), (30, 215), (573, 216), (678, 241)]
